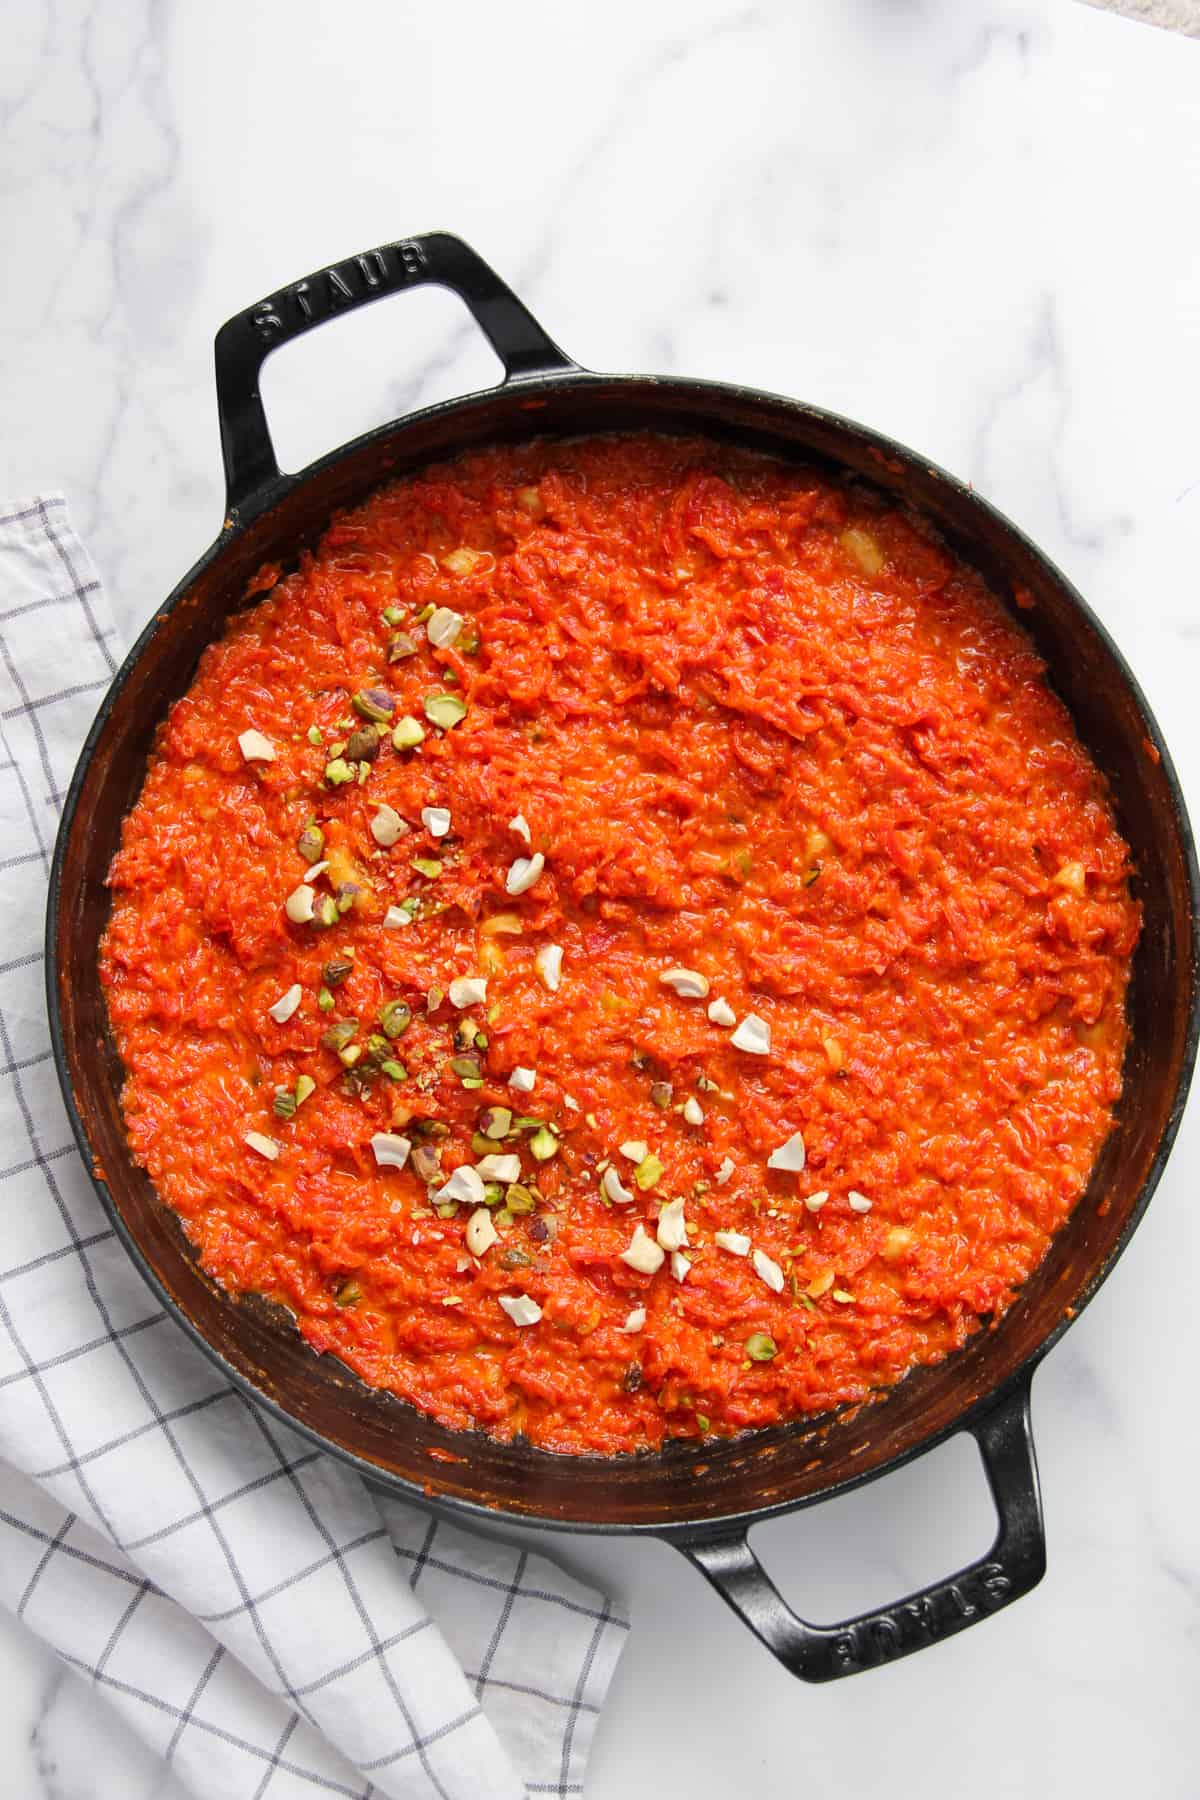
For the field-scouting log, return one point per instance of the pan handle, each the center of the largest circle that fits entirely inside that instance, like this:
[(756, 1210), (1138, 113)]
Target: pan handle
[(1015, 1563), (245, 341)]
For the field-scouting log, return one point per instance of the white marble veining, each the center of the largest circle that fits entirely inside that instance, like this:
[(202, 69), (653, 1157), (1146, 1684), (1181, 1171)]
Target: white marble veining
[(971, 222)]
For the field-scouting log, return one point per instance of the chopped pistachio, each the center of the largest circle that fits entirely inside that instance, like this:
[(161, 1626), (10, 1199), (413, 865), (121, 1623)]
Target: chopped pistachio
[(305, 1085), (660, 1094), (400, 645), (702, 1421), (350, 1055), (337, 1036), (325, 1000), (649, 1172), (311, 843), (374, 703), (315, 736), (428, 866), (472, 1082), (338, 771), (347, 894), (446, 710), (466, 1067), (426, 1162), (362, 746), (495, 1122), (349, 1294), (543, 1144), (433, 999), (426, 612), (325, 911), (284, 1104), (336, 970), (760, 1347), (392, 615), (518, 1198), (516, 1258), (395, 1017), (493, 1193), (394, 1071)]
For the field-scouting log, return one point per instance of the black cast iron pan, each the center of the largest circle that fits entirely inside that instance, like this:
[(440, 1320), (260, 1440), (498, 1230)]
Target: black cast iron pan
[(701, 1497)]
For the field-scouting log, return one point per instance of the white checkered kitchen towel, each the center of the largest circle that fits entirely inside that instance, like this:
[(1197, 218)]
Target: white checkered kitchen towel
[(265, 1621)]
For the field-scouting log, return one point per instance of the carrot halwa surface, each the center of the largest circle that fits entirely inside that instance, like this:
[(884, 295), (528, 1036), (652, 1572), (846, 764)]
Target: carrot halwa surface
[(763, 730)]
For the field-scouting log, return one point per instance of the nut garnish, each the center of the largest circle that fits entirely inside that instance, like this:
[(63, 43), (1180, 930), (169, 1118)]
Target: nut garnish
[(408, 733), (443, 626), (525, 871), (791, 1156), (387, 827), (689, 984), (768, 1271), (255, 747), (734, 1241), (521, 1309), (752, 1035), (299, 904), (286, 1004), (468, 990), (643, 1253), (390, 1151)]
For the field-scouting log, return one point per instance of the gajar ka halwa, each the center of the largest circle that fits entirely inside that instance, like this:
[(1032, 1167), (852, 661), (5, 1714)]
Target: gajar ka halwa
[(623, 943)]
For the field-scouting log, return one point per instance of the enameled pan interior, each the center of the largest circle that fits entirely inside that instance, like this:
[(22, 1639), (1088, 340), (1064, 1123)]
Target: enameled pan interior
[(686, 1483)]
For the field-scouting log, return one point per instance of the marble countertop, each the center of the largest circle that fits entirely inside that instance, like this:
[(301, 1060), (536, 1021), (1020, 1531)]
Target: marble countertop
[(972, 225)]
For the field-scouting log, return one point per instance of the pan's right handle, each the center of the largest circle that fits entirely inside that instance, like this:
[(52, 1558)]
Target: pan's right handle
[(1015, 1563), (245, 341)]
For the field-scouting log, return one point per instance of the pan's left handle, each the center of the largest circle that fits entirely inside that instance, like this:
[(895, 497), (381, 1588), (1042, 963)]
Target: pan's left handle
[(245, 341), (1015, 1563)]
